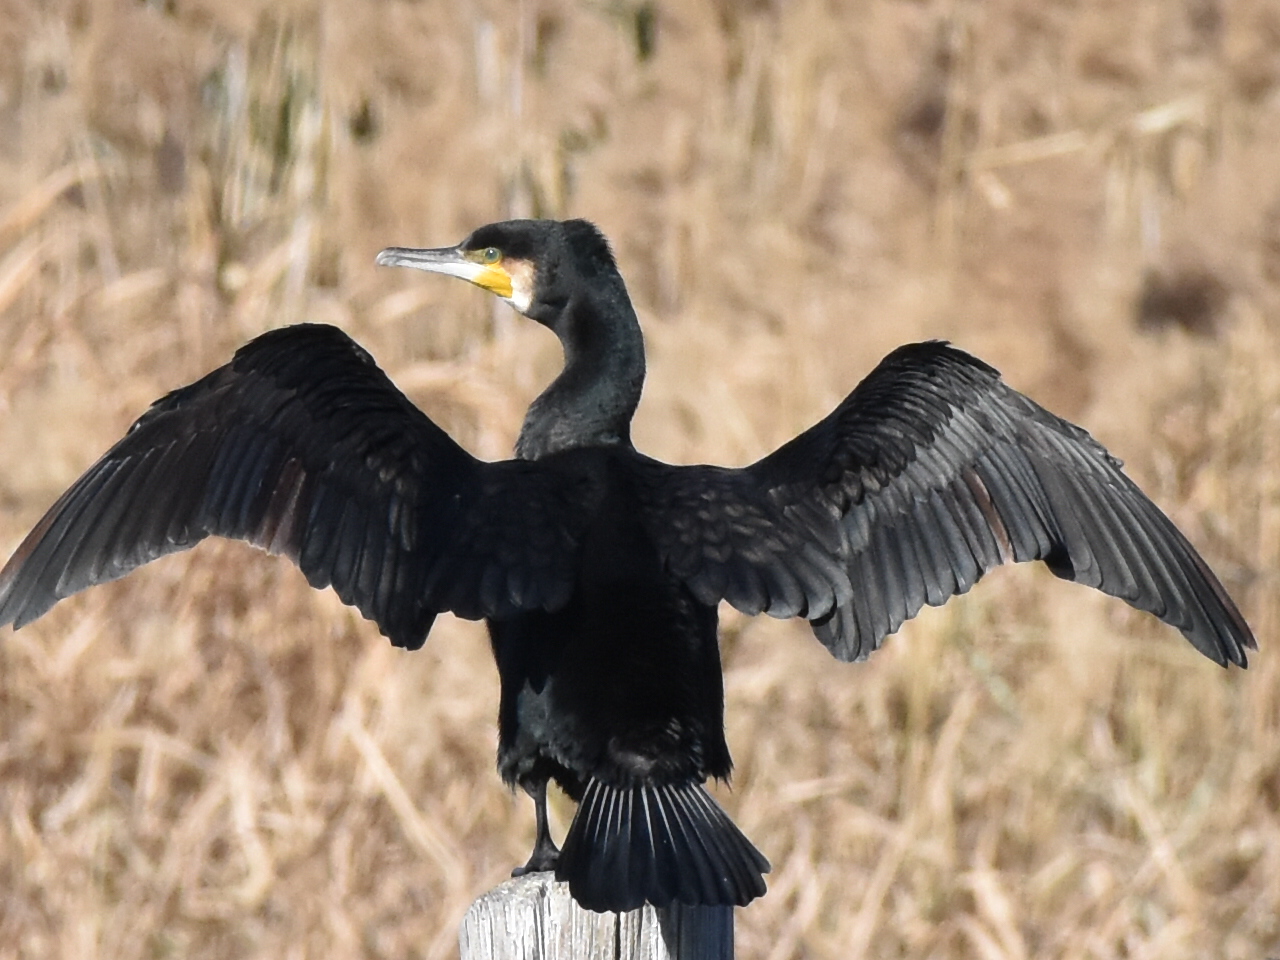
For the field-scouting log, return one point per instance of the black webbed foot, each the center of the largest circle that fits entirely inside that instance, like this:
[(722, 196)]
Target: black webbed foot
[(545, 854)]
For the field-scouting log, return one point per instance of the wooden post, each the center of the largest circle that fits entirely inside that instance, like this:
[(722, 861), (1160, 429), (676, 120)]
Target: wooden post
[(534, 918)]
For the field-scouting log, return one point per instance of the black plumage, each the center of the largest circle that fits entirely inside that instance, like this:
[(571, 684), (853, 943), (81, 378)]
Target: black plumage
[(598, 569)]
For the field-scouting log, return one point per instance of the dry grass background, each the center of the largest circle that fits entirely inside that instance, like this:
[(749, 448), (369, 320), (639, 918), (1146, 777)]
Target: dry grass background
[(210, 760)]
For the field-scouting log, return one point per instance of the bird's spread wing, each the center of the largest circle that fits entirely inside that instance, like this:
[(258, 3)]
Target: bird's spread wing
[(302, 446), (929, 474)]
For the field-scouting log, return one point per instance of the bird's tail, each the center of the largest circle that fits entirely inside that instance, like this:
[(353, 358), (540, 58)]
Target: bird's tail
[(660, 844)]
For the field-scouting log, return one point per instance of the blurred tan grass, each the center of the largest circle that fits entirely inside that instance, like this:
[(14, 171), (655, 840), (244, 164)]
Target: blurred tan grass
[(210, 760)]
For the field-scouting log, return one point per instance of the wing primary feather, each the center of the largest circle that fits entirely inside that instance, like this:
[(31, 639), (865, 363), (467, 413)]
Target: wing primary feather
[(118, 535), (1207, 613), (180, 509), (1102, 528), (1143, 551), (158, 498), (89, 547), (67, 539), (227, 479), (116, 543), (25, 588)]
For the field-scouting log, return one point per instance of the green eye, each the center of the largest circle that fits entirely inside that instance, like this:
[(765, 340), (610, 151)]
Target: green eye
[(490, 255)]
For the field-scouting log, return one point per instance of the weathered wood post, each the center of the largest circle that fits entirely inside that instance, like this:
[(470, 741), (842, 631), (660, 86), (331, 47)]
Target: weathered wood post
[(534, 918)]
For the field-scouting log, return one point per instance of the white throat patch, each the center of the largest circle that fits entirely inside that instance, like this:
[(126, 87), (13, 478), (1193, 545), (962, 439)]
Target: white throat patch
[(522, 275)]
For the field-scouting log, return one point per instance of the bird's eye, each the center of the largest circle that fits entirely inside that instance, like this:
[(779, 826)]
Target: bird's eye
[(490, 255)]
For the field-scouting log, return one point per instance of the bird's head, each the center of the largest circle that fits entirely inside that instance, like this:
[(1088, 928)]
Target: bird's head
[(534, 265)]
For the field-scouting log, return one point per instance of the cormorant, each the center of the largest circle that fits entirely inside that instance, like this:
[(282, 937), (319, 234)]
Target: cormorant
[(599, 569)]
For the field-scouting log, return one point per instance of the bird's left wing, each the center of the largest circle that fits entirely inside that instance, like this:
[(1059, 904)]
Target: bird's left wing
[(302, 446), (930, 473)]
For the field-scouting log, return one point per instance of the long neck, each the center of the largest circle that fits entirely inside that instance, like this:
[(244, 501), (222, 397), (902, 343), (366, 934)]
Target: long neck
[(593, 400)]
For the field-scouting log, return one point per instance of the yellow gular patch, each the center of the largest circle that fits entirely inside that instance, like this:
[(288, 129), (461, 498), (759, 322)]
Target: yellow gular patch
[(495, 279)]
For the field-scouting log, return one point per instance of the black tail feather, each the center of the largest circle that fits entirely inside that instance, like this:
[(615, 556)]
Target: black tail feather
[(657, 844)]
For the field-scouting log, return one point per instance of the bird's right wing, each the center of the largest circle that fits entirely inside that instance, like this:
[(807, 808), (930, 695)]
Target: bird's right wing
[(929, 474), (302, 446)]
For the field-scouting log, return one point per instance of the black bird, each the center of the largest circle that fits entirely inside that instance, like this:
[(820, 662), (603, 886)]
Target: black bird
[(599, 569)]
